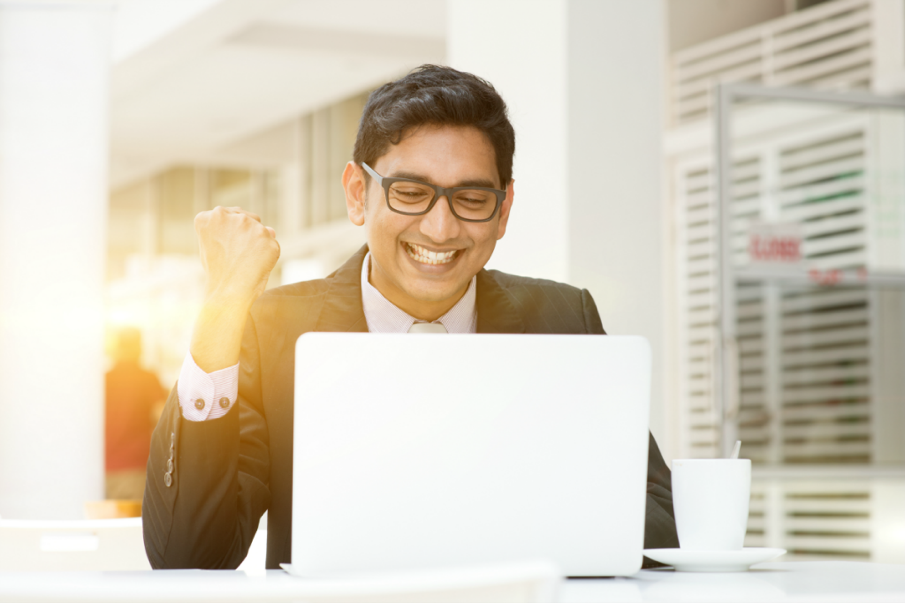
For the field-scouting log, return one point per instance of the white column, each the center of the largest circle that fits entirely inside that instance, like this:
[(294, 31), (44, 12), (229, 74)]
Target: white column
[(520, 47), (583, 82), (54, 64)]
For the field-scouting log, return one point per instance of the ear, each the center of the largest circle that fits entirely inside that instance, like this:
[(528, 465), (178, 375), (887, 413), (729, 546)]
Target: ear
[(356, 190), (505, 208)]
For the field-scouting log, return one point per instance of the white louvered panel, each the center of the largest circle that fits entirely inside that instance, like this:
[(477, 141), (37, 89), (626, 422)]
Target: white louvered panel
[(701, 216), (701, 231), (832, 393), (823, 299), (826, 337), (699, 198), (700, 266), (751, 381), (701, 335), (820, 227), (822, 543), (703, 436), (827, 70), (841, 357), (827, 430), (822, 190), (842, 412), (721, 62), (745, 207), (698, 262), (825, 334), (824, 375), (850, 260), (838, 451), (818, 524), (751, 399), (698, 181), (699, 299), (757, 517), (701, 249), (803, 27), (753, 415), (829, 45), (812, 519), (826, 319), (853, 36), (822, 247), (821, 171), (699, 390), (749, 329), (850, 145), (857, 77), (748, 347), (810, 391), (749, 311)]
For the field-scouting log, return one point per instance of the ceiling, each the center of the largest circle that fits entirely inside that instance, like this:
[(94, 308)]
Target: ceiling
[(218, 72)]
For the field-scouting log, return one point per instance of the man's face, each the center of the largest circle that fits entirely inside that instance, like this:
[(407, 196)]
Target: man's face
[(445, 156)]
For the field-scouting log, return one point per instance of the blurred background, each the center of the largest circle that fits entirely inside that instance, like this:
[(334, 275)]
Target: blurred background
[(119, 121)]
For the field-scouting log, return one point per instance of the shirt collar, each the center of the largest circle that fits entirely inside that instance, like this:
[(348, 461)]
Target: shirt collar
[(384, 317)]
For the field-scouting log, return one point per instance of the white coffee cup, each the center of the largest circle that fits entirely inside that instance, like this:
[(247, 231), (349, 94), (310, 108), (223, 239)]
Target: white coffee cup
[(710, 499)]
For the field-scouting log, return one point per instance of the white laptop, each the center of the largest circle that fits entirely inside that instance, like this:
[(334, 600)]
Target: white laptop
[(432, 451)]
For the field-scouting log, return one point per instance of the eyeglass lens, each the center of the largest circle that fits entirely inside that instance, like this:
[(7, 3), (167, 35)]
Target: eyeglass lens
[(413, 198)]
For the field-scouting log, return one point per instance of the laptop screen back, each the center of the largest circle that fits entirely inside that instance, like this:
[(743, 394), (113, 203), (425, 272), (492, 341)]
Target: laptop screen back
[(449, 450)]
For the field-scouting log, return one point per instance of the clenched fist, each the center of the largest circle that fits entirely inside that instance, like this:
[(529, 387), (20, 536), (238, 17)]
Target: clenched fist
[(237, 251)]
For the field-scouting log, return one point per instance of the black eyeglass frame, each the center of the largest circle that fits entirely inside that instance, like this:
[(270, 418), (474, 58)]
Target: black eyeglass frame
[(439, 191)]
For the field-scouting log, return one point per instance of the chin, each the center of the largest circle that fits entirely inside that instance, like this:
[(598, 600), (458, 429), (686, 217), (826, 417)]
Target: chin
[(433, 294)]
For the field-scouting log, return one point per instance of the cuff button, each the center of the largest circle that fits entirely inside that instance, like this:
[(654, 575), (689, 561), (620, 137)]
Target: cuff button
[(224, 402), (168, 479), (169, 465), (199, 404)]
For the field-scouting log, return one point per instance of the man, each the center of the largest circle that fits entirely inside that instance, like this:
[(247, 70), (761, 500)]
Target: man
[(431, 182), (133, 403)]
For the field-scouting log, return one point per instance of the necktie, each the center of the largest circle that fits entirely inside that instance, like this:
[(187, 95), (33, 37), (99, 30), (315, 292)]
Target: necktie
[(428, 327)]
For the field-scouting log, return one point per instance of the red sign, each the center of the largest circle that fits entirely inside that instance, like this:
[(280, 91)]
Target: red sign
[(775, 244)]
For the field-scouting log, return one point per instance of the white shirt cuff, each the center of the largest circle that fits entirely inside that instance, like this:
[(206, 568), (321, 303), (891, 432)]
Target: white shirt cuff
[(206, 396)]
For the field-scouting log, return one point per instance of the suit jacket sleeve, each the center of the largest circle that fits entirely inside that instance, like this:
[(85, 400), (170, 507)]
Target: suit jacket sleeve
[(206, 513), (660, 523)]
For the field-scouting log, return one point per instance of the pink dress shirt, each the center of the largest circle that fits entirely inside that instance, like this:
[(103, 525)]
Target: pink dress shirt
[(205, 396)]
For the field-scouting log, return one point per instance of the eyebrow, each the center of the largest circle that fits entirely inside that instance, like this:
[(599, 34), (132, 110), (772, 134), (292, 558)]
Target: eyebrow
[(482, 182)]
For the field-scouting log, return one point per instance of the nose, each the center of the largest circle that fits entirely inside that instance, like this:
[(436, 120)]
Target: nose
[(439, 224)]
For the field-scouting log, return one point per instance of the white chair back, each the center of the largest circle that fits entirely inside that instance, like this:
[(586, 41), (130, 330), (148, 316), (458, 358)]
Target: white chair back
[(96, 545)]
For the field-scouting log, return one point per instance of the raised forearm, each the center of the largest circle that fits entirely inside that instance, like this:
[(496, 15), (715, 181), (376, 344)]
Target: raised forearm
[(217, 336), (237, 253)]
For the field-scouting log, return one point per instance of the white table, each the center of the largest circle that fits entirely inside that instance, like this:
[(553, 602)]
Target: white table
[(831, 581)]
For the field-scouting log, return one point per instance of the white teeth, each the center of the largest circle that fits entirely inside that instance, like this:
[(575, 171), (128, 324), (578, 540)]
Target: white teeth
[(425, 256)]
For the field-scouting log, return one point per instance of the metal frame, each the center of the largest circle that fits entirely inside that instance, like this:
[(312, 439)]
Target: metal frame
[(727, 372)]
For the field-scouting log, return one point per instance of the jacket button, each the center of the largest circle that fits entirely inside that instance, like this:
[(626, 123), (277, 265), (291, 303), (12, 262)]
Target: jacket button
[(168, 479), (199, 403), (224, 402)]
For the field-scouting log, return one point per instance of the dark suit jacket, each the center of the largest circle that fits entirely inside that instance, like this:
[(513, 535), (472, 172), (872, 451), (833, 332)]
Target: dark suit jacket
[(224, 473)]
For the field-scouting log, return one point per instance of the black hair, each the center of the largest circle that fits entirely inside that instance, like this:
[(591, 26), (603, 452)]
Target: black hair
[(435, 95)]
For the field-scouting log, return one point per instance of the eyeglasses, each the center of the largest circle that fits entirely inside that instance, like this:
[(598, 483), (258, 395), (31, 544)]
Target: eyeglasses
[(415, 198)]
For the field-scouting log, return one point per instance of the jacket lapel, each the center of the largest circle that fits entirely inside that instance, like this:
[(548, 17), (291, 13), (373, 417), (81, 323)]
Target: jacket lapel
[(342, 311), (496, 313)]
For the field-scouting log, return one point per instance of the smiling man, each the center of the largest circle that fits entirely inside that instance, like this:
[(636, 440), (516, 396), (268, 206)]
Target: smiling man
[(431, 182)]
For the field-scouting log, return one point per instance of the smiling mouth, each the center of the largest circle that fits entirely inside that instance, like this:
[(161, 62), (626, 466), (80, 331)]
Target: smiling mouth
[(426, 256)]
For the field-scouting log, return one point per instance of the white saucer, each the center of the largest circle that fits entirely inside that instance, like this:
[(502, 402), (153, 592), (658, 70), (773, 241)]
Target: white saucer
[(685, 560)]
